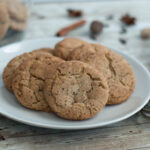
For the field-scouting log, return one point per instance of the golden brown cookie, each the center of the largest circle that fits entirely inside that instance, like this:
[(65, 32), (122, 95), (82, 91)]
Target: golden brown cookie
[(118, 72), (76, 91), (4, 20), (17, 25), (10, 69), (17, 10), (29, 80), (17, 13), (47, 50), (64, 47)]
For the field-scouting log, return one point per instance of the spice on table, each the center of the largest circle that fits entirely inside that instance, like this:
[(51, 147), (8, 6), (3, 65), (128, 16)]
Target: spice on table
[(128, 20), (96, 27), (123, 41), (75, 13), (145, 33), (71, 27)]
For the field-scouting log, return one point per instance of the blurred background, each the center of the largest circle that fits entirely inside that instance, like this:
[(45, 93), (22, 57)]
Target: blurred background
[(118, 24)]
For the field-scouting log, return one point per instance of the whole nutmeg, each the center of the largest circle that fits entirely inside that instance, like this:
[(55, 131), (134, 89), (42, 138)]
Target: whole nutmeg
[(145, 33), (96, 27)]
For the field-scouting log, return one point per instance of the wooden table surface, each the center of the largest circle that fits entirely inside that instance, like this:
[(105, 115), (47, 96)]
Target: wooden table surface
[(46, 19)]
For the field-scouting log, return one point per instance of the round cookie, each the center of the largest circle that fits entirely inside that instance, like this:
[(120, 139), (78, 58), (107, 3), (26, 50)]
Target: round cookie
[(17, 10), (17, 14), (64, 47), (30, 78), (4, 20), (76, 91), (10, 69), (118, 72)]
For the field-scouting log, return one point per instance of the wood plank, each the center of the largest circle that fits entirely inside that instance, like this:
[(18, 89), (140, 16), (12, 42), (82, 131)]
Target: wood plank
[(83, 138), (94, 139), (12, 129)]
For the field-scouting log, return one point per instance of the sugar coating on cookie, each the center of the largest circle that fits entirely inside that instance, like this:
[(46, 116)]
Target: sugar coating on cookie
[(118, 72), (10, 69), (76, 91), (29, 81), (64, 47)]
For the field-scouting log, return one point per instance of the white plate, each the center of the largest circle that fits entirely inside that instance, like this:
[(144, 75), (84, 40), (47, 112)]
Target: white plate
[(110, 114)]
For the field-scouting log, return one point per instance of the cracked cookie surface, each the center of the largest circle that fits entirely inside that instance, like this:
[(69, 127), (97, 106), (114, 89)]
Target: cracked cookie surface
[(118, 72), (76, 91), (10, 69), (29, 81), (64, 47)]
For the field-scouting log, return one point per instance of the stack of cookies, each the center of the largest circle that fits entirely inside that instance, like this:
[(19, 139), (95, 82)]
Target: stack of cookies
[(13, 15), (75, 80)]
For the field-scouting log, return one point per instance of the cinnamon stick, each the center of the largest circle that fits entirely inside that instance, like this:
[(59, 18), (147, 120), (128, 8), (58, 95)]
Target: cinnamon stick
[(71, 27)]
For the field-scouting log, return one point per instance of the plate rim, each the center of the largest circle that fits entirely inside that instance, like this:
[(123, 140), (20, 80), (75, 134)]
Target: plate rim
[(32, 123)]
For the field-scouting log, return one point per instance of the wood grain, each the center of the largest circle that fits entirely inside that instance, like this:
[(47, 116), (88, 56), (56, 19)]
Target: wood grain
[(130, 134)]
